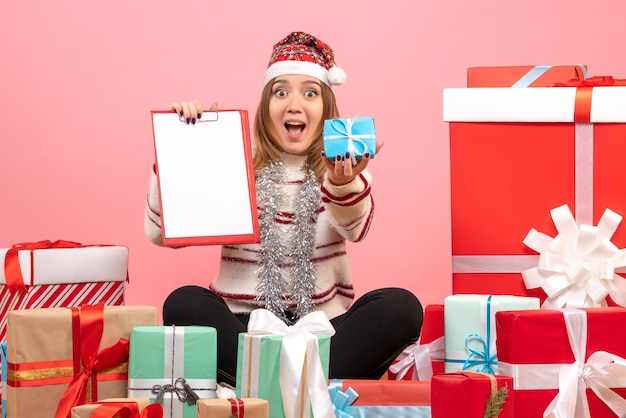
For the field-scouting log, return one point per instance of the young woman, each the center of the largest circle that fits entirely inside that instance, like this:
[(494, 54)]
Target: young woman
[(308, 207)]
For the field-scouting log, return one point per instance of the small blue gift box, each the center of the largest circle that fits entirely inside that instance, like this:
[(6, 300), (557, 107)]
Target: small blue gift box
[(354, 135)]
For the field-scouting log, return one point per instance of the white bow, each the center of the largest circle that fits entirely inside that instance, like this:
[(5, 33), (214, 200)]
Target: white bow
[(601, 372), (576, 269), (303, 385), (420, 355)]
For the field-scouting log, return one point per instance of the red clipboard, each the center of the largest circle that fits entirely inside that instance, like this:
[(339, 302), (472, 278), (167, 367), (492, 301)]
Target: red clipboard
[(206, 179)]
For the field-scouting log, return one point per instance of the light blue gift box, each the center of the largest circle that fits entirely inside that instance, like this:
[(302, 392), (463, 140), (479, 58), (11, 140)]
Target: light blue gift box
[(470, 329), (354, 135), (3, 371), (170, 362)]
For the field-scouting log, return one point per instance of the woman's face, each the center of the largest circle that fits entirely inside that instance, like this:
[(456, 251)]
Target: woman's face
[(296, 110)]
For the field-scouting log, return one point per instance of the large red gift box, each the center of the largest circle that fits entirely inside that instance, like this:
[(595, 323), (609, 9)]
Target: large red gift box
[(524, 75), (466, 394), (517, 153), (423, 358), (564, 352)]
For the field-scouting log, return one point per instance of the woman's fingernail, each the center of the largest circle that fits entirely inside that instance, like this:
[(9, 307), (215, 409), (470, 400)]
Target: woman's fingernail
[(199, 115), (323, 154), (193, 121), (188, 120), (367, 155), (180, 112), (338, 157), (347, 155)]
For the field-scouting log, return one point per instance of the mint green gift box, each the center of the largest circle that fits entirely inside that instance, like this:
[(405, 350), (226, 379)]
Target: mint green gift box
[(258, 368), (470, 329), (354, 135), (170, 360)]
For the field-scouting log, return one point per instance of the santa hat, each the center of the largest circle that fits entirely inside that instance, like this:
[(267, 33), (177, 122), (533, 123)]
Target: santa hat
[(302, 53)]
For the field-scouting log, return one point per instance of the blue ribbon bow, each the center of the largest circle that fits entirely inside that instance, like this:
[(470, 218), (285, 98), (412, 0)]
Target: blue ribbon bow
[(342, 400)]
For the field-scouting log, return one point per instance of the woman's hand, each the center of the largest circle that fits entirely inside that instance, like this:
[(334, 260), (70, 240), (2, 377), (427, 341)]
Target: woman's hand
[(191, 111), (341, 171)]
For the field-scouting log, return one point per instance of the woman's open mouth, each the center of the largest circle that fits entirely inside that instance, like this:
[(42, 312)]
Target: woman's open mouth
[(294, 129)]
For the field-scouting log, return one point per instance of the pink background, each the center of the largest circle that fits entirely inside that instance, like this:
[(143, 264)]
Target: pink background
[(78, 80)]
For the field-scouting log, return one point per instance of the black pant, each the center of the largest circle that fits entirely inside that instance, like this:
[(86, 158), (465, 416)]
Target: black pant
[(376, 328)]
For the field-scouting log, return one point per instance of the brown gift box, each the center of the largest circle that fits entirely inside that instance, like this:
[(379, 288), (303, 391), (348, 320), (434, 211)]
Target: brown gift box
[(223, 408), (40, 346), (85, 411)]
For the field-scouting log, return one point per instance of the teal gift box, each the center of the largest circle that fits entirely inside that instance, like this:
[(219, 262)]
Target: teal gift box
[(174, 366), (354, 135), (259, 368), (470, 329)]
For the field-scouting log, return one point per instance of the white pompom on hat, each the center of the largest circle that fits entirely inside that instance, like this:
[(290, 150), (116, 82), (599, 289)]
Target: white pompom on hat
[(302, 53)]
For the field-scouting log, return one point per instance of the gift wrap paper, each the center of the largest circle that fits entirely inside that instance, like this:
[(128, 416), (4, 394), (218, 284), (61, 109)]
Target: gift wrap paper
[(164, 355), (40, 356), (233, 408), (85, 411), (59, 277), (534, 346), (258, 368), (354, 135), (381, 398), (423, 358), (519, 76), (470, 329), (517, 153), (465, 395)]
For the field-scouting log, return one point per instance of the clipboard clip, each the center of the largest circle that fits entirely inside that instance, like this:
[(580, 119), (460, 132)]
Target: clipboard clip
[(212, 117)]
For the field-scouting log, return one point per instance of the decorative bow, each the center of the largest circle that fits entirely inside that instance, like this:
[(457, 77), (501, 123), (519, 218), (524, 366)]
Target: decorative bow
[(481, 359), (342, 400), (302, 382), (596, 81), (87, 330), (126, 410), (181, 388), (600, 373), (421, 357), (576, 268)]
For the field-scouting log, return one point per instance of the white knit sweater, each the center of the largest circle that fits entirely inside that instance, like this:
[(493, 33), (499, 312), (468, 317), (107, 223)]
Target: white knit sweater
[(345, 214)]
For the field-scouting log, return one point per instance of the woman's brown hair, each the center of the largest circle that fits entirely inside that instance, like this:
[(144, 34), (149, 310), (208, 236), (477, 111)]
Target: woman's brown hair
[(265, 148)]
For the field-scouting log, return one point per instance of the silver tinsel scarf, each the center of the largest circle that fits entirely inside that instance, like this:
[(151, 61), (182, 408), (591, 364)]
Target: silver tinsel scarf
[(273, 289)]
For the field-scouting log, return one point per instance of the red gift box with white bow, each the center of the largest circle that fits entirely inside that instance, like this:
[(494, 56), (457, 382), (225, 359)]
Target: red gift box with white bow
[(517, 153)]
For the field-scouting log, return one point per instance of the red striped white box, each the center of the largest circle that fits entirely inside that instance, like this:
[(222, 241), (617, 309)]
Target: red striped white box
[(65, 277)]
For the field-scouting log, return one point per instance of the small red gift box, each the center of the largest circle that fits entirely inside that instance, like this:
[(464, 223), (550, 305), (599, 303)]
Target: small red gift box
[(524, 75), (517, 153), (466, 394), (555, 356), (381, 398), (423, 358)]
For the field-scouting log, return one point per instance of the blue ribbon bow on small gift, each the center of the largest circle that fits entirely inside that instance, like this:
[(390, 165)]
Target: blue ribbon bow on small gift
[(342, 400)]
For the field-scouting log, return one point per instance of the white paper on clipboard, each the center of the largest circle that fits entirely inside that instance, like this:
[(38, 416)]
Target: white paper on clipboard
[(206, 179)]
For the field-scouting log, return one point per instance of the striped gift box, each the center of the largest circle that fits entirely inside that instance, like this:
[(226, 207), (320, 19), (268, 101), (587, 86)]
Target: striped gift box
[(64, 277)]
